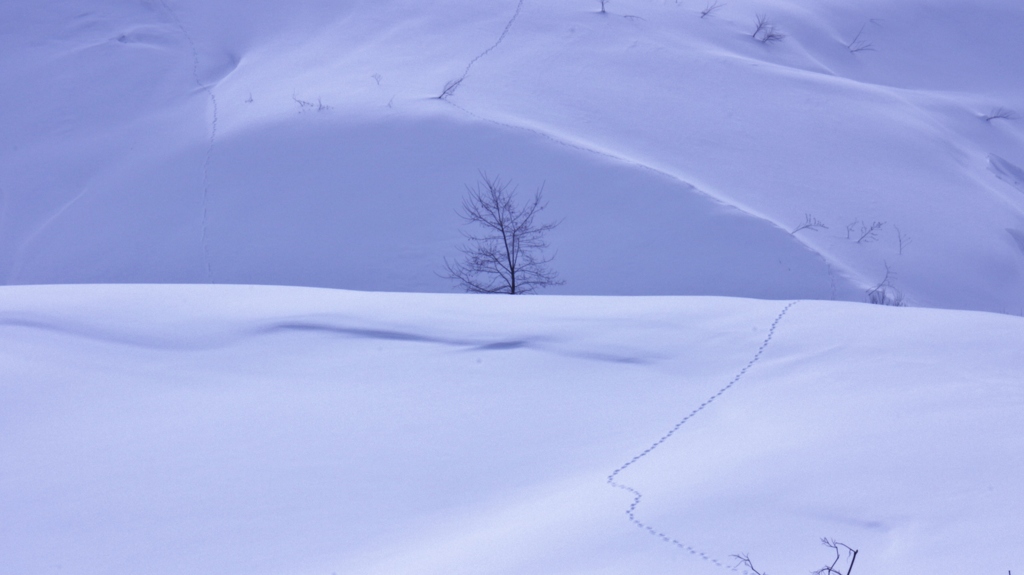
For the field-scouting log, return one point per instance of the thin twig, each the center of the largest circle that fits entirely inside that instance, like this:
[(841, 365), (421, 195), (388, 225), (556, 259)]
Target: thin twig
[(710, 9), (810, 223), (858, 45)]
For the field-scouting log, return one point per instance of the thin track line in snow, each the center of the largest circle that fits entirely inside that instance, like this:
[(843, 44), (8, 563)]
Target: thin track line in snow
[(515, 15), (638, 496), (452, 86), (213, 138)]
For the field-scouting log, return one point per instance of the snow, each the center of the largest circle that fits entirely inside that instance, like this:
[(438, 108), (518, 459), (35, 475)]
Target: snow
[(189, 142), (243, 429), (225, 346)]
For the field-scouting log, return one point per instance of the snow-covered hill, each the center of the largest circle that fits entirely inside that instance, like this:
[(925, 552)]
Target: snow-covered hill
[(186, 141), (223, 429), (259, 430)]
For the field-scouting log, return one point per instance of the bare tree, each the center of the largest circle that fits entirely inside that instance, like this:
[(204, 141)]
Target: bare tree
[(507, 256)]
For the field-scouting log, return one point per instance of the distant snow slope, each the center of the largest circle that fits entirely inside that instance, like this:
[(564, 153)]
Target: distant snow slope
[(188, 141), (260, 430)]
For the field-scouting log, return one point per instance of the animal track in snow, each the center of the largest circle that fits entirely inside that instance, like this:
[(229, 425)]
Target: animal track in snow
[(638, 496), (213, 138), (453, 85)]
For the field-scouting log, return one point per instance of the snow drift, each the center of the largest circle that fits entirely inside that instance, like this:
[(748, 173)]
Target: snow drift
[(169, 429)]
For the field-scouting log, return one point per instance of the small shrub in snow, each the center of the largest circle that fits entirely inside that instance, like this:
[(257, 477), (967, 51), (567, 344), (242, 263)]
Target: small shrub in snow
[(858, 44), (765, 31), (885, 293), (770, 34), (1000, 113), (869, 232), (449, 88), (507, 256), (810, 223), (305, 105), (710, 9), (862, 232), (762, 21)]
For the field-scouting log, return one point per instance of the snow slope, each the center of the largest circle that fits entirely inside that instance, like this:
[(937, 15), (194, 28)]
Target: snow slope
[(186, 141), (238, 429)]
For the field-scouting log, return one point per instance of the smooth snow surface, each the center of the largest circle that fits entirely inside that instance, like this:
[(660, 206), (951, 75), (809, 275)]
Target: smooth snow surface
[(260, 430), (303, 143)]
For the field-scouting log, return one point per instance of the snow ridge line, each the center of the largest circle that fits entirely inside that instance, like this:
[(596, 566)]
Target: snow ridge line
[(637, 164), (634, 163), (638, 496), (612, 156), (501, 38), (213, 138)]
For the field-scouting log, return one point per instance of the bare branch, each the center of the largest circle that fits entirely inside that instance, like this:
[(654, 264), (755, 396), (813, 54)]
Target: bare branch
[(904, 239), (771, 34), (762, 21), (830, 569), (838, 547), (744, 559)]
